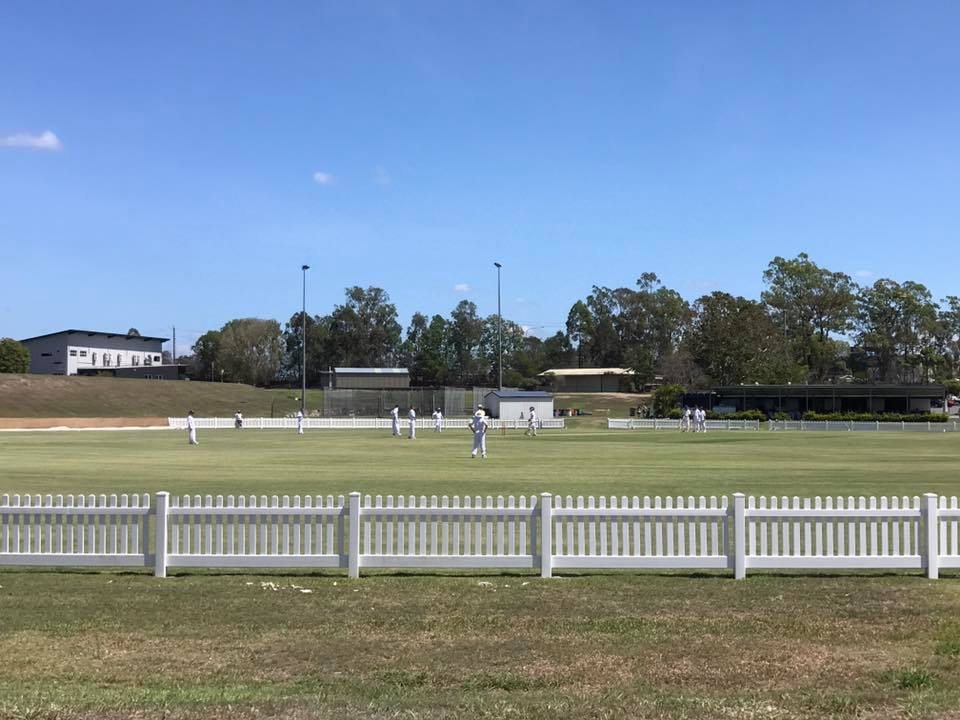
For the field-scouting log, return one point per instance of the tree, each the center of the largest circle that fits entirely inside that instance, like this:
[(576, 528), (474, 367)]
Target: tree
[(364, 331), (897, 329), (488, 350), (14, 356), (666, 398), (318, 349), (734, 340), (809, 303), (205, 352), (578, 327), (133, 332), (250, 350), (466, 331), (557, 352)]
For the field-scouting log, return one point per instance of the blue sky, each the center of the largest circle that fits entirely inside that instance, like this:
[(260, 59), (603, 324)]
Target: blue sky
[(199, 153)]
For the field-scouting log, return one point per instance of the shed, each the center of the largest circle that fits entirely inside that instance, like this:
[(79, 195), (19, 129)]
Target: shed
[(515, 404)]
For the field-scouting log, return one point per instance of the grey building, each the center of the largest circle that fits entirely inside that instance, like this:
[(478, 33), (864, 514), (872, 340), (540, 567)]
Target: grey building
[(69, 351), (516, 404), (841, 397)]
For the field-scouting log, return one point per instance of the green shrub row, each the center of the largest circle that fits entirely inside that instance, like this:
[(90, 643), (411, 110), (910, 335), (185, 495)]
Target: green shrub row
[(875, 417)]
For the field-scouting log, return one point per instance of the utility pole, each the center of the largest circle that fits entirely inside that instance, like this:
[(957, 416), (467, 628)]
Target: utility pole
[(174, 344), (303, 330), (499, 332)]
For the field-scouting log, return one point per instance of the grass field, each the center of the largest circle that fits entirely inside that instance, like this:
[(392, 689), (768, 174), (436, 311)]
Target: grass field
[(51, 396), (467, 645)]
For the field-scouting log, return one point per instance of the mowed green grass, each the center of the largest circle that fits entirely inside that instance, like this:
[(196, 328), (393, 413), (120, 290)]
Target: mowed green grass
[(576, 462), (432, 645)]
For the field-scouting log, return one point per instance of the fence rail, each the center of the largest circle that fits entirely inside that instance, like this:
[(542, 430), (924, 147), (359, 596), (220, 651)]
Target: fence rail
[(311, 423), (670, 424), (534, 532), (787, 425)]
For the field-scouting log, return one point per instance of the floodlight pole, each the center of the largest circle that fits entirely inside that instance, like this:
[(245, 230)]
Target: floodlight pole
[(303, 331), (499, 332)]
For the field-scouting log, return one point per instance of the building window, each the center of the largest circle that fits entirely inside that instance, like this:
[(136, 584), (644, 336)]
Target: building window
[(156, 358), (106, 359), (83, 353), (146, 360), (73, 353), (135, 360), (119, 359), (93, 358)]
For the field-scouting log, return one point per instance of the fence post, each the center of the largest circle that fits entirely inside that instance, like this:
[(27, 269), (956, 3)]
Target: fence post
[(161, 502), (933, 526), (353, 565), (546, 535), (739, 536)]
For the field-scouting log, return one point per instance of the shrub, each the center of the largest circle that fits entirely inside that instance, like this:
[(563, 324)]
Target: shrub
[(14, 356), (666, 398), (874, 417)]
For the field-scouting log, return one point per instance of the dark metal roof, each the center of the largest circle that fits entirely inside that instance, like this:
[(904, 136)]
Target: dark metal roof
[(520, 394), (933, 390), (91, 333)]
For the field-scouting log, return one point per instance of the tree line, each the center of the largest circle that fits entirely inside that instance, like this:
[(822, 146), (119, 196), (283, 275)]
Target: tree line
[(810, 324)]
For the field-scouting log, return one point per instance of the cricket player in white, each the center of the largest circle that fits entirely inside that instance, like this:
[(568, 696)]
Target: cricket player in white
[(478, 424), (191, 429), (437, 420), (299, 422), (703, 420), (238, 420), (685, 420), (532, 423), (395, 420), (413, 425)]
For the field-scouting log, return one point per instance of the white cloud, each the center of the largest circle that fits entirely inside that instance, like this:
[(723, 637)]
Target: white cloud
[(864, 274), (461, 288), (44, 141), (381, 176), (323, 178)]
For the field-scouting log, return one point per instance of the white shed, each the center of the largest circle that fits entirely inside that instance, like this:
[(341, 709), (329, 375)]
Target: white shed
[(516, 404)]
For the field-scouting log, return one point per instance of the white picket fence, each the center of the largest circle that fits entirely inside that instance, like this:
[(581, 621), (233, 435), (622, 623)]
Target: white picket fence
[(670, 424), (788, 425), (852, 426), (309, 423), (531, 532)]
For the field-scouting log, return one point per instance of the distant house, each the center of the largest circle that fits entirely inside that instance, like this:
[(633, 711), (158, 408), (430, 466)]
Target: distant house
[(72, 352), (369, 378), (590, 380), (841, 397), (516, 404)]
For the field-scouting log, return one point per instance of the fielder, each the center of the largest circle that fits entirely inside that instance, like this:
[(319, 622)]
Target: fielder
[(685, 420), (478, 424), (437, 420), (532, 423), (191, 429), (238, 420), (299, 422), (395, 420), (413, 425)]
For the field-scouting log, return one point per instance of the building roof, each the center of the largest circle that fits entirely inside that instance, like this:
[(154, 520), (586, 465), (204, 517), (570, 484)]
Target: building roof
[(572, 372), (933, 390), (91, 333), (520, 394), (371, 371)]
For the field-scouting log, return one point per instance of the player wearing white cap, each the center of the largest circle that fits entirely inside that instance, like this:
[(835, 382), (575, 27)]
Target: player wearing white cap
[(479, 424)]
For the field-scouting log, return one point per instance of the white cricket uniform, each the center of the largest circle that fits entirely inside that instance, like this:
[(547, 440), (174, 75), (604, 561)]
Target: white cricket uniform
[(413, 424), (299, 423), (703, 421), (479, 427), (437, 421), (191, 431), (395, 420), (685, 423), (238, 421), (532, 423)]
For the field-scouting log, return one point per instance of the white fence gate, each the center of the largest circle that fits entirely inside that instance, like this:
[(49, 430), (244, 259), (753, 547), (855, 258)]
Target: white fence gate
[(532, 532)]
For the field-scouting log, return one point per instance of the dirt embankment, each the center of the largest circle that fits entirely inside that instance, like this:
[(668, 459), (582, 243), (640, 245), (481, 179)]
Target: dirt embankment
[(80, 422)]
